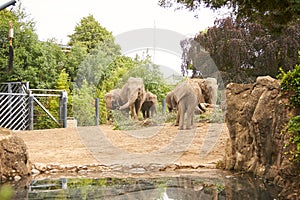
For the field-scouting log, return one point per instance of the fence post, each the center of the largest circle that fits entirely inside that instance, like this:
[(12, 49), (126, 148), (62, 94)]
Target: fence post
[(97, 112), (64, 98), (163, 106), (30, 114)]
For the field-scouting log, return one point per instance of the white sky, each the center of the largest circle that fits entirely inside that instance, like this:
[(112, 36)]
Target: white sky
[(58, 18)]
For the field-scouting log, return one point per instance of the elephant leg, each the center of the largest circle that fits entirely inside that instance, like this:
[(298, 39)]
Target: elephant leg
[(181, 112), (147, 113), (144, 113), (190, 121), (177, 118), (190, 113), (133, 112)]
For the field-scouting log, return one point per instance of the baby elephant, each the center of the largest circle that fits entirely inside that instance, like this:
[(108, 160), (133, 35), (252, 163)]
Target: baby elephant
[(149, 105)]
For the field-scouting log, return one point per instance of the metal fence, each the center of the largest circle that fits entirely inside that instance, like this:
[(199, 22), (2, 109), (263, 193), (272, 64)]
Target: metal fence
[(17, 103)]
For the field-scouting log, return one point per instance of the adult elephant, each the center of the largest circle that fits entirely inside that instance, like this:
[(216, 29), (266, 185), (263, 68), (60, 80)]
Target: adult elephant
[(113, 100), (188, 96), (149, 105), (212, 85), (133, 94), (209, 87)]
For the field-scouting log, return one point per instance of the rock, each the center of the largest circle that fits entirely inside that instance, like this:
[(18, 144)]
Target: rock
[(14, 160), (40, 166), (35, 172), (17, 178), (256, 115)]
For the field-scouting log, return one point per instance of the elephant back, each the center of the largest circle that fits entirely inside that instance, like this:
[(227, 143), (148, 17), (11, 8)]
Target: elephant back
[(113, 99), (182, 90)]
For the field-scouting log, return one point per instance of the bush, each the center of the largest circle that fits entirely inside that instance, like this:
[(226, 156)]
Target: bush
[(290, 85)]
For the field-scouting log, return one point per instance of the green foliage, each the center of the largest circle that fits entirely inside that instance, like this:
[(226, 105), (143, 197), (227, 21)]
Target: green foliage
[(241, 51), (171, 117), (215, 115), (89, 33), (152, 78), (290, 83), (294, 131), (43, 121), (83, 104), (97, 64), (272, 14), (113, 75), (122, 121), (74, 58), (38, 62), (6, 192), (118, 72)]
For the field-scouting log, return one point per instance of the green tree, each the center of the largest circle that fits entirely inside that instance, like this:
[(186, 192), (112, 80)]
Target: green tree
[(111, 79), (43, 121), (83, 104), (290, 85), (96, 64), (90, 33), (74, 58), (5, 18), (274, 14), (243, 50), (151, 75), (38, 62)]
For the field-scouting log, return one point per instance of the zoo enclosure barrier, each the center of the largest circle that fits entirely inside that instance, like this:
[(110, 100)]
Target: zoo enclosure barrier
[(17, 105)]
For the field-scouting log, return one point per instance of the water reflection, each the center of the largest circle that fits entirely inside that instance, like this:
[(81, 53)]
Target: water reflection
[(185, 187)]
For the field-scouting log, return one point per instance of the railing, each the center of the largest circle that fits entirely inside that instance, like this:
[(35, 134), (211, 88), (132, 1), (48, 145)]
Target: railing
[(17, 105)]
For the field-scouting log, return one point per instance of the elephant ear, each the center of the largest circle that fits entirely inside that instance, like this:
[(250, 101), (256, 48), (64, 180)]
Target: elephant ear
[(205, 91), (197, 90)]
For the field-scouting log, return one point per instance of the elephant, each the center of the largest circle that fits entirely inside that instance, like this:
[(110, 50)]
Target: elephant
[(209, 87), (133, 95), (112, 101), (149, 105), (188, 95), (212, 86), (170, 101)]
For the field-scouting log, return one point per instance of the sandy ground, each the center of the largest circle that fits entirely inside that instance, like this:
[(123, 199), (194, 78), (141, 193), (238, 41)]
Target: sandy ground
[(165, 145)]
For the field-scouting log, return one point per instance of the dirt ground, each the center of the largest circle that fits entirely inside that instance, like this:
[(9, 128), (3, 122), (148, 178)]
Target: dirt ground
[(165, 145)]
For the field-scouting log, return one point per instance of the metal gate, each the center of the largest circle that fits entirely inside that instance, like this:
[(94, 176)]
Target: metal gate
[(14, 106), (17, 103)]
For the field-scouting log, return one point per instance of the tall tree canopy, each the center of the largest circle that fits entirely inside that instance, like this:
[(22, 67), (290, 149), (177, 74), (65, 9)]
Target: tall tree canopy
[(90, 33), (272, 13), (243, 50), (38, 62)]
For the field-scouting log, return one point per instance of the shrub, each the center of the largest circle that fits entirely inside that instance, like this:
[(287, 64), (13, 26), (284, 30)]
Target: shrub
[(290, 85)]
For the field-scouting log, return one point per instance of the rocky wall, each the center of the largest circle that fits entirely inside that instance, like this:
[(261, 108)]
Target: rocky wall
[(14, 162), (256, 115)]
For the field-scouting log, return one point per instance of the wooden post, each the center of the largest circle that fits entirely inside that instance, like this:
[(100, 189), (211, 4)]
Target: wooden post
[(97, 112), (64, 97), (163, 106)]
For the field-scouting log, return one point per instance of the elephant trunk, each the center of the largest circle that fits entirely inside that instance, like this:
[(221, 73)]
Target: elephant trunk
[(131, 99)]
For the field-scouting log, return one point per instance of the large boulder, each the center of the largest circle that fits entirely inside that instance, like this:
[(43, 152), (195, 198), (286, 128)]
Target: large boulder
[(14, 162), (256, 115)]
